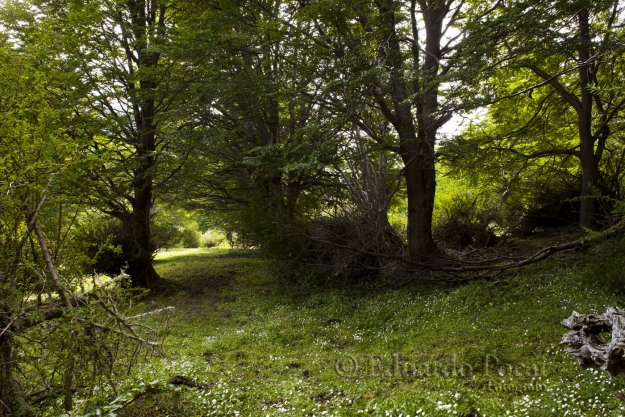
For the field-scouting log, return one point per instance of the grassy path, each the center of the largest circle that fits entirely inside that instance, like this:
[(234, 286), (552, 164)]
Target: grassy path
[(267, 349)]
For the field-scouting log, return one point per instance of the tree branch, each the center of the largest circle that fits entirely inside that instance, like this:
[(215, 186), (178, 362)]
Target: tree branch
[(553, 81)]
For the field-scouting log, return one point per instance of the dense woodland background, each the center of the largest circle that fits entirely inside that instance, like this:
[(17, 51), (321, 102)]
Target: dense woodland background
[(358, 143)]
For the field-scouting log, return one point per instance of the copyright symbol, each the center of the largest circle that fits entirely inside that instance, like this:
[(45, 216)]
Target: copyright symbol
[(346, 366)]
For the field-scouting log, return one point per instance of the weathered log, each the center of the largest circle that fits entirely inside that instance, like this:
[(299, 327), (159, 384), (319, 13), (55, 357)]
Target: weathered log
[(592, 352)]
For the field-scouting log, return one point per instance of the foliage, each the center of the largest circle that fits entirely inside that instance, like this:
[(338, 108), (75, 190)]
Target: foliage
[(62, 334), (310, 130), (551, 118), (263, 158), (35, 157), (345, 249), (212, 238), (102, 240), (391, 72), (469, 219), (190, 238), (125, 88)]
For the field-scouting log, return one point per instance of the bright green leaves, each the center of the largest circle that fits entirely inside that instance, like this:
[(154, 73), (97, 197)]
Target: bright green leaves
[(35, 128)]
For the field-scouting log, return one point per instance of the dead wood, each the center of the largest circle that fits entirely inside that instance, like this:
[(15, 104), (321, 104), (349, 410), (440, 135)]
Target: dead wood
[(586, 343), (459, 271)]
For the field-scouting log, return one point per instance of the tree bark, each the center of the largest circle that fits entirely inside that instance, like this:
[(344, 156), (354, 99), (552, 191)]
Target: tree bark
[(590, 177), (417, 135), (420, 189), (140, 266), (590, 167), (428, 122)]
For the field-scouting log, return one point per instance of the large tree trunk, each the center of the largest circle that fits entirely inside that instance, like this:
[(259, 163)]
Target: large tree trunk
[(420, 164), (590, 176), (417, 137), (420, 187), (140, 266), (590, 168), (420, 175)]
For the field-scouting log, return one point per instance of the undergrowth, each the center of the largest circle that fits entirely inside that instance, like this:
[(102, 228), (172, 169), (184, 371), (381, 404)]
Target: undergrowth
[(265, 348)]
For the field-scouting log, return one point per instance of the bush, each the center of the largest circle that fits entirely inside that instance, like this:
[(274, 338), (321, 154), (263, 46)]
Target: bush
[(190, 238), (103, 240), (211, 238), (344, 249), (555, 207), (107, 243), (468, 220), (166, 233), (175, 228)]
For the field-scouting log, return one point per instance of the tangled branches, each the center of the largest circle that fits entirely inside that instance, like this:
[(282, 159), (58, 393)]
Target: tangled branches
[(70, 342), (351, 248), (341, 245)]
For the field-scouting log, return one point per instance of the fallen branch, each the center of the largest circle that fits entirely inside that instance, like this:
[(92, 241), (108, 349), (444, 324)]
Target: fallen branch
[(484, 267), (150, 313)]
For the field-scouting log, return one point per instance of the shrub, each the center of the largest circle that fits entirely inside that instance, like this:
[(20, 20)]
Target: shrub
[(103, 240), (166, 233), (468, 220), (344, 249), (555, 207), (211, 238), (190, 237)]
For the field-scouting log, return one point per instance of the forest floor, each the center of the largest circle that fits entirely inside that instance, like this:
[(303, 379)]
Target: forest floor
[(266, 348)]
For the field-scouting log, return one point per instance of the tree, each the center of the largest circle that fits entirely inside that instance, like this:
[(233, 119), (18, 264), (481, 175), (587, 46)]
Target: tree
[(35, 153), (392, 60), (552, 63), (39, 158), (261, 159), (128, 91)]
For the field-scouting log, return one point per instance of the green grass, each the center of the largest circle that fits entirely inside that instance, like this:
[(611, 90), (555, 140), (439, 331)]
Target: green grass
[(267, 349)]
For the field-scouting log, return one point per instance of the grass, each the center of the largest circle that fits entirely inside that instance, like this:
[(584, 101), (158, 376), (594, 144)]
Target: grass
[(267, 349)]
